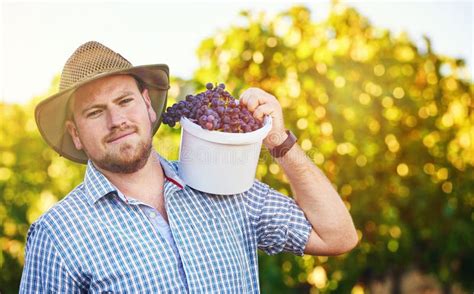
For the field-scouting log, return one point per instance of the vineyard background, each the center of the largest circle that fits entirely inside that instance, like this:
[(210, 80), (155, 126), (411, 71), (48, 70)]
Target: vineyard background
[(391, 126)]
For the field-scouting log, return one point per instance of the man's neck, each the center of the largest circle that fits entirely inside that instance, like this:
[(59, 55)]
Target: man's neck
[(145, 185)]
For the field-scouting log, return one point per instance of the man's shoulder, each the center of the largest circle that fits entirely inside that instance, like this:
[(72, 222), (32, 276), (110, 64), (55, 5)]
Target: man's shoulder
[(67, 211), (258, 188)]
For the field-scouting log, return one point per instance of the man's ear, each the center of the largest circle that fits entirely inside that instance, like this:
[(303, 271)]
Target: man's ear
[(72, 130), (151, 111)]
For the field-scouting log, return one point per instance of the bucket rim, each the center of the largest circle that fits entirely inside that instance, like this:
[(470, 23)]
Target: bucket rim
[(227, 138)]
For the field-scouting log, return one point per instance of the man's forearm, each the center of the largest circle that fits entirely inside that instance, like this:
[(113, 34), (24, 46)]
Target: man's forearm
[(334, 231), (316, 196)]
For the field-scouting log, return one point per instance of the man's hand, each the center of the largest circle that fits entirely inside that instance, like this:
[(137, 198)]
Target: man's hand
[(261, 103)]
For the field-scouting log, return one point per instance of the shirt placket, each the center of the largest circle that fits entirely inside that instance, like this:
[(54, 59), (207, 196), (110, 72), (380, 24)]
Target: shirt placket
[(152, 215), (171, 190)]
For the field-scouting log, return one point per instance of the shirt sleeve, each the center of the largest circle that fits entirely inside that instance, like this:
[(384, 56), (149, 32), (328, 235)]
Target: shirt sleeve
[(279, 223), (44, 270)]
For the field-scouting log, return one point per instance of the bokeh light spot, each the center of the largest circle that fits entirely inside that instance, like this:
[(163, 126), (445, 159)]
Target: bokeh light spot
[(402, 169)]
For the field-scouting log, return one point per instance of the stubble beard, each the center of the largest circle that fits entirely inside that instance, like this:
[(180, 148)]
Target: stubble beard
[(122, 163)]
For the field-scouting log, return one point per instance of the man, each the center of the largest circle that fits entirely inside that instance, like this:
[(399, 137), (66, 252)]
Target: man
[(133, 226)]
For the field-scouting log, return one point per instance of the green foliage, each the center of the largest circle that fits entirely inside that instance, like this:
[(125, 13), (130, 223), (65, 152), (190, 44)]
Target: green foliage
[(389, 124), (32, 178)]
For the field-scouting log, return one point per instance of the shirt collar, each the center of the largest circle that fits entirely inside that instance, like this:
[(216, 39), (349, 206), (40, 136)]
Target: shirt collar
[(98, 186), (171, 172)]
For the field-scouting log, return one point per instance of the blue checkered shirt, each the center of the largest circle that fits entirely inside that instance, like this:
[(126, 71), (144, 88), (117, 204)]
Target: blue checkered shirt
[(98, 240)]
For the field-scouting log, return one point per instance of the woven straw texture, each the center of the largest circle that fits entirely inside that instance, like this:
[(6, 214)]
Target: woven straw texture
[(89, 60)]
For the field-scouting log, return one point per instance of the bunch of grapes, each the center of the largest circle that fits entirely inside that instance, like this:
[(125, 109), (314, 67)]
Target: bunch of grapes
[(214, 109)]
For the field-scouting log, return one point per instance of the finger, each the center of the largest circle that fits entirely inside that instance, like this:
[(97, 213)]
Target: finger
[(246, 95), (243, 97), (262, 110), (254, 93), (252, 103)]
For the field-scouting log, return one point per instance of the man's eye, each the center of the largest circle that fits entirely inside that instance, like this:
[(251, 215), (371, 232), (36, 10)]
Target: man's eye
[(125, 101), (94, 113)]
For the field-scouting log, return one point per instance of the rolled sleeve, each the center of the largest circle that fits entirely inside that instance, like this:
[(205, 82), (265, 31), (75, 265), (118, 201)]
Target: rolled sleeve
[(279, 223), (44, 271)]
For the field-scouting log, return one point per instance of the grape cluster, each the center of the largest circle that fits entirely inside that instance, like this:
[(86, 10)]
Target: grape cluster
[(214, 109)]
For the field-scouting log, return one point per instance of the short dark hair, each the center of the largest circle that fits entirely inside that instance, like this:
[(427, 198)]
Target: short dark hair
[(140, 83)]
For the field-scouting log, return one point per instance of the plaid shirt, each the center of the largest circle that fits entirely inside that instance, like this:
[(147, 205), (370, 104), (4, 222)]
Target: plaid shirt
[(97, 240)]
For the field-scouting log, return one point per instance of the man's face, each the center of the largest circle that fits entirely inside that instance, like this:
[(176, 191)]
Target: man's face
[(113, 123)]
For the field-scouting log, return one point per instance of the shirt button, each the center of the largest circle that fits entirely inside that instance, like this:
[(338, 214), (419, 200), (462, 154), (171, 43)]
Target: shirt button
[(152, 214)]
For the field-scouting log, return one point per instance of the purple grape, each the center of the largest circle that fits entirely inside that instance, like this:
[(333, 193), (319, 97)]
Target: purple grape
[(247, 128), (231, 104), (220, 110), (226, 128), (213, 109)]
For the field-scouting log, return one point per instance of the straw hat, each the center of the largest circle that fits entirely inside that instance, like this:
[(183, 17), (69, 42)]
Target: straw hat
[(92, 61)]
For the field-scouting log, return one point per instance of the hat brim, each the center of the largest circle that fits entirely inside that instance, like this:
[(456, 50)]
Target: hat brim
[(51, 113)]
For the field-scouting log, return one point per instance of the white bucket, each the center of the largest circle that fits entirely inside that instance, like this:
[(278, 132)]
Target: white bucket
[(218, 162)]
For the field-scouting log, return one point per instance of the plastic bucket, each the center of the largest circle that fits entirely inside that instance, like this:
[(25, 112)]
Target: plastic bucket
[(217, 162)]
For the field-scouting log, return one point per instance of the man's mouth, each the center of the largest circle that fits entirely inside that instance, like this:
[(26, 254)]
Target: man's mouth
[(119, 137)]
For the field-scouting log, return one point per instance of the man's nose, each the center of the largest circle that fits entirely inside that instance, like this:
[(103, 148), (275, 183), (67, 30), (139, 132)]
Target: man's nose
[(116, 118)]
